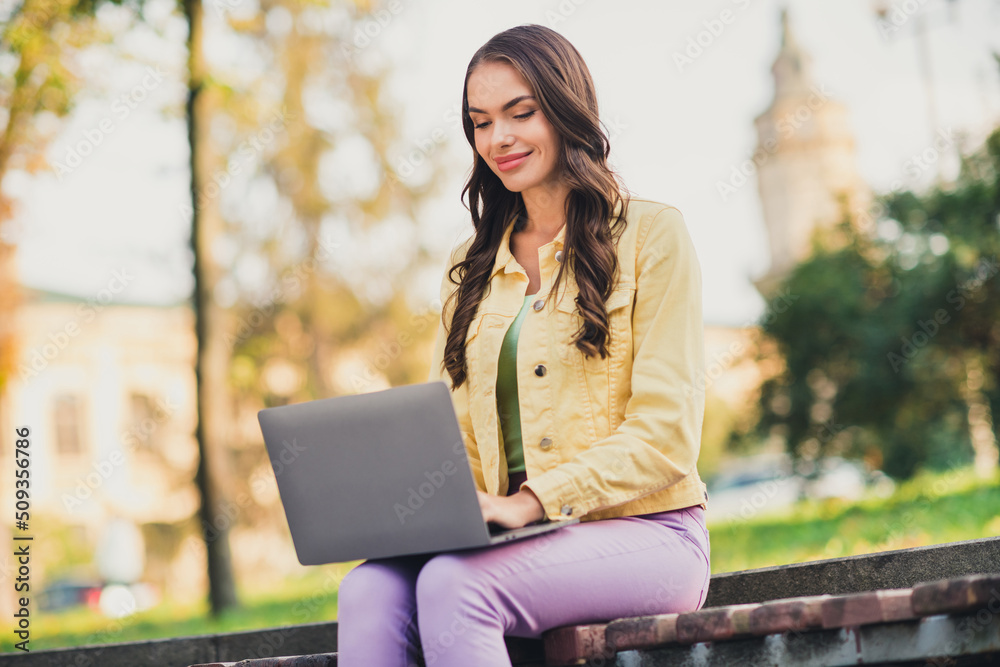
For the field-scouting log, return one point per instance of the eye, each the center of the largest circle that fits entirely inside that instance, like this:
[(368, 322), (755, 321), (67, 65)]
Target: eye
[(523, 116)]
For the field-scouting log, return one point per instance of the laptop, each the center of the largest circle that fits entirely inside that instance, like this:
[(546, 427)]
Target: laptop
[(377, 475)]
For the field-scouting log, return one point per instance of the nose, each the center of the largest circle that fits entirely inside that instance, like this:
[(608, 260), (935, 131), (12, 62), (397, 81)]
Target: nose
[(502, 137)]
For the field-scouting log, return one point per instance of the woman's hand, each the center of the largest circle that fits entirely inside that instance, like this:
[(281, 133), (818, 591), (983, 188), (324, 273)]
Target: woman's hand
[(512, 511)]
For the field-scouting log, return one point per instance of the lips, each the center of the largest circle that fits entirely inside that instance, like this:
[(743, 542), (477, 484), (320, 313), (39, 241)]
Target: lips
[(511, 161)]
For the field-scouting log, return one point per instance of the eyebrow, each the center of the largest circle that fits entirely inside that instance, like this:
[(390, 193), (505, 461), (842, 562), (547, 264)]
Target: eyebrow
[(506, 106)]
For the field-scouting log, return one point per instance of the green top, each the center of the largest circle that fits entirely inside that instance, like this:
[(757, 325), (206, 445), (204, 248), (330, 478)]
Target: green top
[(507, 405)]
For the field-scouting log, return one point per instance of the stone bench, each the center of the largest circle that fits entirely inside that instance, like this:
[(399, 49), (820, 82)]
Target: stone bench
[(940, 621), (869, 609), (934, 605)]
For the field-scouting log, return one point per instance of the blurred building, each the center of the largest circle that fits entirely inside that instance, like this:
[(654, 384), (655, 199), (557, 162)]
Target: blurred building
[(108, 393), (730, 370), (807, 181), (805, 158)]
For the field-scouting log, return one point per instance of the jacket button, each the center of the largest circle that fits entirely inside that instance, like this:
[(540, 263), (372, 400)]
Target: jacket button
[(538, 305), (540, 370), (566, 509), (545, 443), (559, 255)]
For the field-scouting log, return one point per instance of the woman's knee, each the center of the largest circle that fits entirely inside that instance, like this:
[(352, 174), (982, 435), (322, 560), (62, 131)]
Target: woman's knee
[(447, 577), (453, 599), (370, 586)]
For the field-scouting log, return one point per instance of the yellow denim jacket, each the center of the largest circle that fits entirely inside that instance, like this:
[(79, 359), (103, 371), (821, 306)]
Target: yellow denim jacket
[(602, 438)]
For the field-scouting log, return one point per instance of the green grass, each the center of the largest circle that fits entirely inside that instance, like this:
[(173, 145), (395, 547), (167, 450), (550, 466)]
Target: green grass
[(929, 509), (304, 600)]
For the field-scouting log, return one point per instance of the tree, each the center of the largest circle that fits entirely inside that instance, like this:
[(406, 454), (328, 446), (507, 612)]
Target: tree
[(212, 362), (301, 60), (310, 63), (892, 348)]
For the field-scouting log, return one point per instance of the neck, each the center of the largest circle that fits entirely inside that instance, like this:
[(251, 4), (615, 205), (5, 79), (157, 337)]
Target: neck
[(546, 209)]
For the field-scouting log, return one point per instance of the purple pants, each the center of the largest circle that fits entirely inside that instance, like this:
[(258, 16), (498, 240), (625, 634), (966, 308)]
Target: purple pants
[(454, 608)]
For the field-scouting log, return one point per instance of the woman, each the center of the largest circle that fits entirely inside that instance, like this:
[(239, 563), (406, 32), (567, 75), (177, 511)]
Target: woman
[(573, 347)]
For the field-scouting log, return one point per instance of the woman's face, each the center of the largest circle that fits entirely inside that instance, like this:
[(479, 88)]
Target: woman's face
[(520, 129)]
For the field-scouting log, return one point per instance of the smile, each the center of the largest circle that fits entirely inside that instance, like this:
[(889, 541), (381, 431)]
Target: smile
[(511, 162)]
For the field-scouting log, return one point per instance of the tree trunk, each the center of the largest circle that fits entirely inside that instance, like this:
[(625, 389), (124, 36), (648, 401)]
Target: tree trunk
[(210, 324), (984, 443)]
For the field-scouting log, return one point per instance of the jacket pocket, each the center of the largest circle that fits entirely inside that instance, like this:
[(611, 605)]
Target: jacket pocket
[(568, 321), (599, 385), (482, 335)]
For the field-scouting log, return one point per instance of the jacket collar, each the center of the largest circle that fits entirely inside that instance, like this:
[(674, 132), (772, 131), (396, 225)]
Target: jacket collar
[(505, 260)]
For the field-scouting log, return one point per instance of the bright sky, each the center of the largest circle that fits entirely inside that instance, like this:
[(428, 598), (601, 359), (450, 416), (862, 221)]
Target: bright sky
[(675, 133)]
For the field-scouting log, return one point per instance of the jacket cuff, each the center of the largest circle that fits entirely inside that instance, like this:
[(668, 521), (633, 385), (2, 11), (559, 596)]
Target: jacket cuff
[(560, 499), (472, 455)]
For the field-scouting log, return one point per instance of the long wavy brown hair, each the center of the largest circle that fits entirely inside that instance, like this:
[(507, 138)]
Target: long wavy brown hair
[(561, 83)]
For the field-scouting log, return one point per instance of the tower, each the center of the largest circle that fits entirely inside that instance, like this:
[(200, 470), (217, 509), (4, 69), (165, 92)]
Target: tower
[(806, 160)]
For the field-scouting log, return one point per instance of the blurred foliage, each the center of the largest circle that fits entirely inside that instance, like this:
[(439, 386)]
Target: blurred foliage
[(893, 339), (329, 308), (930, 508)]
